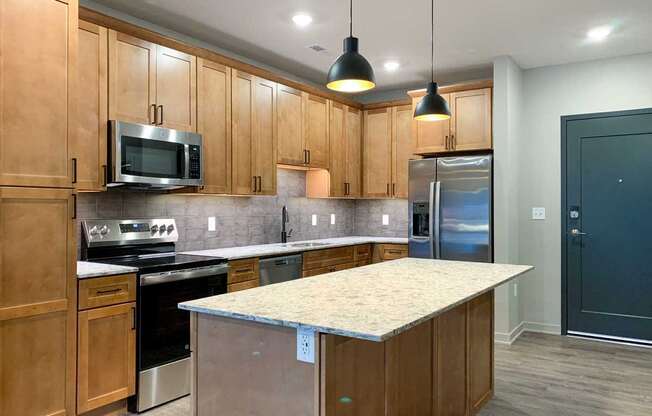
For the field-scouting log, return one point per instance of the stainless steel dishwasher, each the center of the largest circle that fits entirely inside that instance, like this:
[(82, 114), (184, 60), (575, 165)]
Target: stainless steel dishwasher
[(280, 269)]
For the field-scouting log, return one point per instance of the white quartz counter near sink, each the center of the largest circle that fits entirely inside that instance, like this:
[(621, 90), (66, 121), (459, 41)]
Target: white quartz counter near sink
[(374, 302), (279, 249)]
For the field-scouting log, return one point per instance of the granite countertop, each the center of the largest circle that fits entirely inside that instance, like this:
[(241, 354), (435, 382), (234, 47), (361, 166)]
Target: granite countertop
[(233, 253), (87, 269), (374, 302)]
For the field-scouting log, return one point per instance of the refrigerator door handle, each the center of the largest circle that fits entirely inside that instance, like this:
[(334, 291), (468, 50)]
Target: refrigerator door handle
[(435, 199)]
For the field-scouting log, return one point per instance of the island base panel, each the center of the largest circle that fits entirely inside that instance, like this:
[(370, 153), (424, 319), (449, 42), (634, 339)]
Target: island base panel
[(442, 367)]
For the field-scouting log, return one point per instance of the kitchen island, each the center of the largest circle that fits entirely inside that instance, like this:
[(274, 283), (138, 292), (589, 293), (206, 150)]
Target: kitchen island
[(405, 337)]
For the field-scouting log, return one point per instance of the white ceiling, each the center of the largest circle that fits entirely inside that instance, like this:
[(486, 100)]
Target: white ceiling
[(470, 33)]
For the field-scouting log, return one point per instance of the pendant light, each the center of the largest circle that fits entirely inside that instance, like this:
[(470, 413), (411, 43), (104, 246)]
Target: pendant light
[(351, 72), (432, 107)]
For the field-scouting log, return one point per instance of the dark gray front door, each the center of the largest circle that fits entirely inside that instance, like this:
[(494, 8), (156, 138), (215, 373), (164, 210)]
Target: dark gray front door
[(608, 224)]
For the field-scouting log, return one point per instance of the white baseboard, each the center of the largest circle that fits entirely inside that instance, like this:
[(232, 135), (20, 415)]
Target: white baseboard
[(509, 337)]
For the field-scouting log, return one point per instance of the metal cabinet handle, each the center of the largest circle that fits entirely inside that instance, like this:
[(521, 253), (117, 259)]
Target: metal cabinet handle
[(453, 142), (133, 317), (108, 291), (305, 157), (105, 175), (446, 143), (576, 232), (309, 157), (260, 184), (394, 189), (74, 170), (74, 206), (388, 189), (247, 270), (153, 110), (160, 122), (255, 185)]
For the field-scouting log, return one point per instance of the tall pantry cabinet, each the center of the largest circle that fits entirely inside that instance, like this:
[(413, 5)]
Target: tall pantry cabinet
[(38, 62)]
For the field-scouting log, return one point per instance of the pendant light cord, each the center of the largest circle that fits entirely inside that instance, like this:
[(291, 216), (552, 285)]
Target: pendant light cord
[(351, 18), (432, 40)]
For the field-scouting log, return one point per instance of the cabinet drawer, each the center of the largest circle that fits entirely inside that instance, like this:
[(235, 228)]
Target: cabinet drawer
[(362, 252), (105, 291), (236, 287), (243, 270), (387, 252), (329, 269), (328, 257)]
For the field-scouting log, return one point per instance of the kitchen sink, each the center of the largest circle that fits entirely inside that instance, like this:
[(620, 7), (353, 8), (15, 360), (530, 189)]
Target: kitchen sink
[(307, 244)]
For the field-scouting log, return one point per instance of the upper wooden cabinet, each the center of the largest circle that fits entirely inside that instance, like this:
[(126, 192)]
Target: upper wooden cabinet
[(151, 84), (315, 125), (291, 147), (38, 46), (254, 134), (353, 131), (377, 153), (469, 128), (402, 149), (214, 124), (345, 142), (90, 146)]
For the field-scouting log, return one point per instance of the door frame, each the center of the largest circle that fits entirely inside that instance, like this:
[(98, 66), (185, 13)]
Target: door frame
[(564, 217)]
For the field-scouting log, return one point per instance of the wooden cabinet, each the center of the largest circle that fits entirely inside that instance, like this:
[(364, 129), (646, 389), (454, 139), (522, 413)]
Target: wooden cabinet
[(471, 120), (38, 46), (402, 149), (253, 112), (362, 255), (291, 146), (37, 306), (377, 153), (151, 84), (386, 252), (353, 137), (243, 274), (90, 146), (345, 143), (214, 124), (315, 124), (481, 351), (319, 259), (106, 355), (106, 291), (469, 128)]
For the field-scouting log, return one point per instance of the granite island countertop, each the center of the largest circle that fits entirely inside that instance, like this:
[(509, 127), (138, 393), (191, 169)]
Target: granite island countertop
[(374, 302)]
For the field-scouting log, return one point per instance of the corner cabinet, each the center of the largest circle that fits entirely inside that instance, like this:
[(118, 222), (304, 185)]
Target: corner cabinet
[(254, 134), (151, 84), (38, 74)]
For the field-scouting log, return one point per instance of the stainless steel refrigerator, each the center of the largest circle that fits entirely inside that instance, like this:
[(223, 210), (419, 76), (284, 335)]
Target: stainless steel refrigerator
[(450, 208)]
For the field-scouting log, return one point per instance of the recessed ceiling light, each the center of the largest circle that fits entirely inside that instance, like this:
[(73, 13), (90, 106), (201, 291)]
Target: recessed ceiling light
[(391, 66), (301, 19), (598, 34)]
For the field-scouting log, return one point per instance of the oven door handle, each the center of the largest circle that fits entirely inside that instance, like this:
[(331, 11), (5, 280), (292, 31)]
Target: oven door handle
[(185, 274)]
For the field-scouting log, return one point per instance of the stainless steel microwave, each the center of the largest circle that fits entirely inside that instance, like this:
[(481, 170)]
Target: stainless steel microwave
[(153, 157)]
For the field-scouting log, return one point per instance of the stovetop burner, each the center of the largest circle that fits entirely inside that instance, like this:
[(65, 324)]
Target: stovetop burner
[(157, 263)]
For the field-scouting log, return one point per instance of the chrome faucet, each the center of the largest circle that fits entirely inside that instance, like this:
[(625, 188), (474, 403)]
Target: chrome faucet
[(285, 218)]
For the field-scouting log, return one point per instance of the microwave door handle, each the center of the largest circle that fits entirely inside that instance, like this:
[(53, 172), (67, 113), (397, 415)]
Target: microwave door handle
[(435, 214), (186, 160)]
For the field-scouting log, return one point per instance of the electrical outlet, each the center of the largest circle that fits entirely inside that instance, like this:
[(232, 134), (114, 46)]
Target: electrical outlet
[(211, 223), (314, 219), (332, 219), (538, 213), (305, 345), (385, 219)]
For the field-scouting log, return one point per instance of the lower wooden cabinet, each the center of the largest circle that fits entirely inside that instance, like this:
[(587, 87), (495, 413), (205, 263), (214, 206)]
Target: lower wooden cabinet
[(106, 360), (386, 252), (243, 274)]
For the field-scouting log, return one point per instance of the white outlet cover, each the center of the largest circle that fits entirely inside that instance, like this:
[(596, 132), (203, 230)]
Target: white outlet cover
[(332, 219), (305, 345), (538, 213), (211, 223), (314, 219), (385, 219)]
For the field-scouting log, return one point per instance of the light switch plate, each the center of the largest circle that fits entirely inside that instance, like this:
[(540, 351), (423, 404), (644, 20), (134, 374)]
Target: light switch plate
[(332, 219), (305, 345), (314, 219), (385, 219), (211, 223), (538, 213)]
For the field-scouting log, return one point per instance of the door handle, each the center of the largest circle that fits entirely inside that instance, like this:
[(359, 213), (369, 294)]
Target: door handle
[(305, 157), (260, 184), (74, 206), (394, 189), (388, 194), (160, 122), (133, 317), (434, 214), (105, 173), (309, 157), (446, 143), (453, 144), (74, 170), (152, 111), (255, 185), (575, 232)]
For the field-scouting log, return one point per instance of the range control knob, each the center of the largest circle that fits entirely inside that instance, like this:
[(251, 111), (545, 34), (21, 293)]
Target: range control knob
[(94, 231), (170, 228), (154, 228), (161, 228), (104, 230)]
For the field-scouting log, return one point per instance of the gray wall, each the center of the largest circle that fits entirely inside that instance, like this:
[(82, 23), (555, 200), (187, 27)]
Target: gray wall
[(369, 218)]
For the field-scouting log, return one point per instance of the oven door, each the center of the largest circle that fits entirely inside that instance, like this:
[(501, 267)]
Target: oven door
[(163, 358), (142, 154)]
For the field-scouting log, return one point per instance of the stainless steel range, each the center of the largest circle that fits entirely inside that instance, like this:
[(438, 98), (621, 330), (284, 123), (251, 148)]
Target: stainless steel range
[(165, 279)]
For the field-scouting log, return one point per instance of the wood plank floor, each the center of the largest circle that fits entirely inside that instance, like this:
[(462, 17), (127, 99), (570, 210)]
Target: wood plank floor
[(549, 375)]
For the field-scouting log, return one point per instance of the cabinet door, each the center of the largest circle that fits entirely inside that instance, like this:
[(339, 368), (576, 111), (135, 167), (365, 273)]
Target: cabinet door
[(377, 151), (38, 302), (431, 136), (38, 50), (353, 151), (106, 355), (481, 353), (91, 139), (471, 121), (265, 138), (214, 124), (402, 148), (132, 79), (175, 89), (337, 132), (291, 147), (242, 89), (316, 130)]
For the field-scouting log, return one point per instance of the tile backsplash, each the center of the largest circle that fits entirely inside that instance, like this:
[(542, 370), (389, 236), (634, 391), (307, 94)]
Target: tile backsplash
[(250, 220)]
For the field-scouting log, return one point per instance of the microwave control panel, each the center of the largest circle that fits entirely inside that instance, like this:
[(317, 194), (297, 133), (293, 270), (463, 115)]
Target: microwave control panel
[(194, 170)]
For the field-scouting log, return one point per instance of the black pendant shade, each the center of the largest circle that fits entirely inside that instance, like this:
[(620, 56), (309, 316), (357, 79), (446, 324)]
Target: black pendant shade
[(432, 107), (351, 72)]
